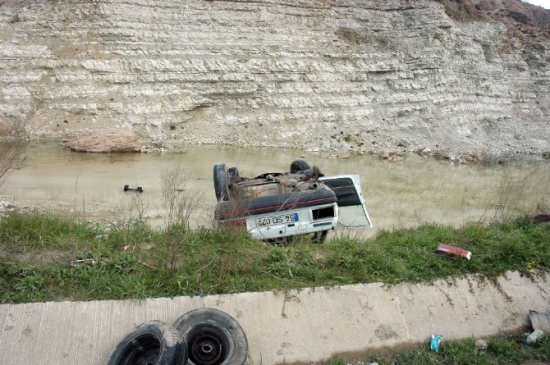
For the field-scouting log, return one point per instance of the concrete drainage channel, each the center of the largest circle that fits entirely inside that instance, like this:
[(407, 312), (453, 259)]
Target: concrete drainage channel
[(205, 336), (298, 326)]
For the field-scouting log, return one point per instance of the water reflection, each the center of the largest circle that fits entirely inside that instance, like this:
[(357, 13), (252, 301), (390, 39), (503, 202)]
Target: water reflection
[(398, 194)]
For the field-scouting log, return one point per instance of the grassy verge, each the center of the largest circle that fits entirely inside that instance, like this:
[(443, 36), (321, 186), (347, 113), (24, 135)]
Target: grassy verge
[(502, 349), (45, 258)]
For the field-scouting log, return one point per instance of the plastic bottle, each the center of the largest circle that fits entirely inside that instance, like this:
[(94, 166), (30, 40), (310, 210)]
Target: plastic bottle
[(533, 337), (436, 340)]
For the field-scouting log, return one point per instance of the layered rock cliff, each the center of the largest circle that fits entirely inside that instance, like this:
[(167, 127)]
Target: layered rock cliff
[(354, 75)]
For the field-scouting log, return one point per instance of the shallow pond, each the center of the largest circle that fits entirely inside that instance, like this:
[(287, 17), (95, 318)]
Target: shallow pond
[(402, 193)]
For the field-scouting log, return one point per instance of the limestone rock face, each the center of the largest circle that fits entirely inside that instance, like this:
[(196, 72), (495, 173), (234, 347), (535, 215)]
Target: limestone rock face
[(104, 140), (360, 75)]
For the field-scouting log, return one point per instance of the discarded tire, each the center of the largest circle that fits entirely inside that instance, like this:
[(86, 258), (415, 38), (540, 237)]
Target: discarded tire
[(299, 165), (212, 337), (221, 181), (126, 187), (151, 343)]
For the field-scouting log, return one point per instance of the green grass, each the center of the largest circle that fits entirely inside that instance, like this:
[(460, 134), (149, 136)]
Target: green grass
[(503, 349), (39, 253)]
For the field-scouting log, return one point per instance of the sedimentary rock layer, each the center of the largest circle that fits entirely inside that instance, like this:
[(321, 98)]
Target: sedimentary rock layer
[(351, 75)]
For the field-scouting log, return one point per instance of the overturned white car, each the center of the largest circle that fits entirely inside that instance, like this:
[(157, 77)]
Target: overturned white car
[(280, 206)]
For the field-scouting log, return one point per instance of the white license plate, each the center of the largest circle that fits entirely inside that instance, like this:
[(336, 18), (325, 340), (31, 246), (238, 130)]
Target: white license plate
[(278, 219)]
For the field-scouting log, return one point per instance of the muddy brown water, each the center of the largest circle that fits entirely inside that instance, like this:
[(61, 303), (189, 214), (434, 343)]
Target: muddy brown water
[(398, 194)]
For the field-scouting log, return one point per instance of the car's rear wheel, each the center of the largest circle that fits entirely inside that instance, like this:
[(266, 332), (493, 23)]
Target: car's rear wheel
[(221, 181)]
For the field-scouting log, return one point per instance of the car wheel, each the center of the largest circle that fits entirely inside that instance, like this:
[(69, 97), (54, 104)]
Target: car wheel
[(298, 165), (151, 343), (233, 175), (221, 181), (212, 337)]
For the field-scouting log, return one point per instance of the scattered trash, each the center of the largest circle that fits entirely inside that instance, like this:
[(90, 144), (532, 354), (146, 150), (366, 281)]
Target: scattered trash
[(453, 251), (482, 344), (540, 320), (533, 337), (139, 189), (434, 344), (75, 263)]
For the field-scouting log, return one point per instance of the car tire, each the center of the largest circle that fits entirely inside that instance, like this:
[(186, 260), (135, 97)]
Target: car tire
[(154, 343), (299, 166), (234, 176), (212, 337), (221, 181), (126, 187)]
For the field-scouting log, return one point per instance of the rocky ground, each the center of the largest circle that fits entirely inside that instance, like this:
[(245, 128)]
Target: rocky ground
[(455, 79), (6, 207)]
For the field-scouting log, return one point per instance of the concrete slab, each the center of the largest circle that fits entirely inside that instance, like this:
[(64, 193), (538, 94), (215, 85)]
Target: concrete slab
[(298, 326)]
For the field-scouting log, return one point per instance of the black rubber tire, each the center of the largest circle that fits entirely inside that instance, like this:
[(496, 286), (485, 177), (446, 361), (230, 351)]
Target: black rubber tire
[(221, 181), (151, 343), (233, 175), (139, 189), (298, 165), (126, 187), (212, 337)]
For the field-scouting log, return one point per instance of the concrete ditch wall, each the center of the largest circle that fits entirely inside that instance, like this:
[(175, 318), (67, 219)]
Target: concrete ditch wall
[(300, 326)]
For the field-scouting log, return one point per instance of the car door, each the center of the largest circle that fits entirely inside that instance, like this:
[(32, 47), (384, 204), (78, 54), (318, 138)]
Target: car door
[(352, 212)]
